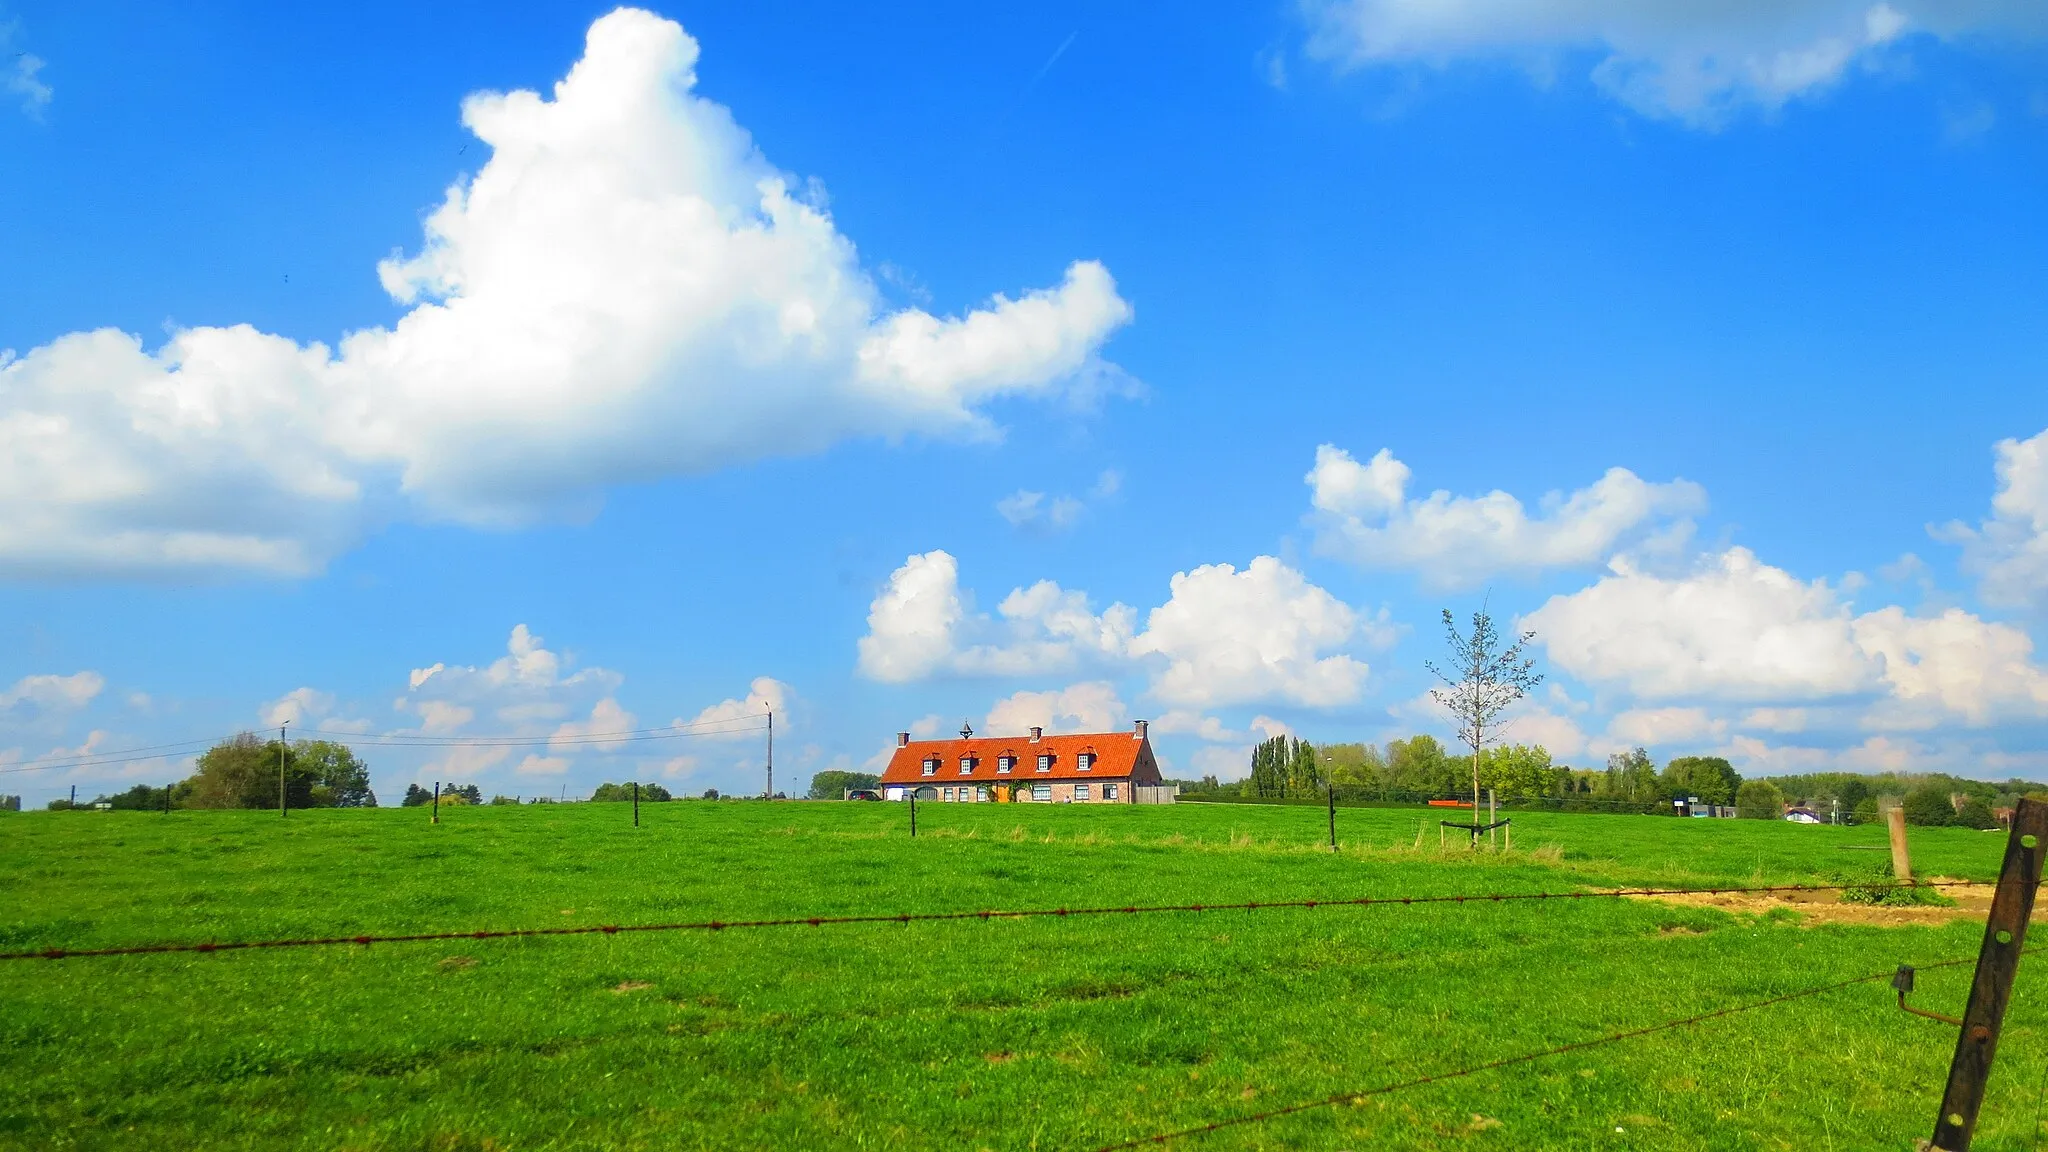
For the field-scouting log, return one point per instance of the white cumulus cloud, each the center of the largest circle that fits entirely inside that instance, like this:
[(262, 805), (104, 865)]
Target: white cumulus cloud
[(625, 289), (1740, 630), (1699, 62), (1223, 636), (51, 692), (2008, 553), (1364, 515), (1091, 706)]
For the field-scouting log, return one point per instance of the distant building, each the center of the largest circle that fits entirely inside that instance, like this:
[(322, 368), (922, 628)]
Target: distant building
[(1803, 816), (1089, 768)]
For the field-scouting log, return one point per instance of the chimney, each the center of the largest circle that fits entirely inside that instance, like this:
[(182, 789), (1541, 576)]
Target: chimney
[(903, 739), (1037, 734), (1140, 734)]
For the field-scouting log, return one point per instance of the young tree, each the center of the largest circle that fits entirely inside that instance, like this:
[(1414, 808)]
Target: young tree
[(1483, 680), (1929, 805)]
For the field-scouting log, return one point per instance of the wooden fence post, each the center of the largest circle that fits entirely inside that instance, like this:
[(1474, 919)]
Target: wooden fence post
[(1902, 864), (1998, 960), (1333, 816)]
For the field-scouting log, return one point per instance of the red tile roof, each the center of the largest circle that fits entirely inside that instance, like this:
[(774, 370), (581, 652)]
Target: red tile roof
[(1117, 755)]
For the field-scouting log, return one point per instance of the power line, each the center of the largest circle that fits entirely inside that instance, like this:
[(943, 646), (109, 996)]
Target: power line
[(931, 917), (1359, 1097)]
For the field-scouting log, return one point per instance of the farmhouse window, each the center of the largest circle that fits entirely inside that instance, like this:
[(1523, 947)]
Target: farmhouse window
[(1005, 763), (946, 794), (967, 764), (1109, 791), (931, 766), (1080, 791), (1041, 791), (980, 795), (1045, 763), (1084, 762)]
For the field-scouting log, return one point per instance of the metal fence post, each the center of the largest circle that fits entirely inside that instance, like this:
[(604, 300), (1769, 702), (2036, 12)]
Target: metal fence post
[(913, 814), (1333, 817), (1998, 960), (636, 803)]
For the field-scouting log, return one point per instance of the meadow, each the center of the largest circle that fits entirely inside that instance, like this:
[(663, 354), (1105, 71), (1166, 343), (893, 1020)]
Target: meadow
[(1027, 1034)]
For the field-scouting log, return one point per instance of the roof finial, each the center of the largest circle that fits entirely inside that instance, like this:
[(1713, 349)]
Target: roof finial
[(966, 730)]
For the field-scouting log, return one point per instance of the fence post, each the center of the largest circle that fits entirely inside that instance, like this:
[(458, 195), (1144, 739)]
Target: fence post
[(636, 803), (1902, 864), (1492, 816), (913, 813), (167, 799), (437, 801), (1998, 960)]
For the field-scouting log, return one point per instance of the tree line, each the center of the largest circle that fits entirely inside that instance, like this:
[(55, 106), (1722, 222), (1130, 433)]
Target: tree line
[(1421, 768)]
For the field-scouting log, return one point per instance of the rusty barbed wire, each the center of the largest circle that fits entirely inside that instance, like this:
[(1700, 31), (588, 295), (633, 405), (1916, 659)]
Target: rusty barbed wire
[(1343, 1098), (937, 917)]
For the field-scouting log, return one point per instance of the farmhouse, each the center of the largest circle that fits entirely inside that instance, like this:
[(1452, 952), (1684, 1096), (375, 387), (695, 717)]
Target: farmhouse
[(1090, 768)]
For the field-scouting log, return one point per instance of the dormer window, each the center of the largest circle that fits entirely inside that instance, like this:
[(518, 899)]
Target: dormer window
[(1045, 762), (1084, 762), (968, 764), (1004, 764), (931, 766)]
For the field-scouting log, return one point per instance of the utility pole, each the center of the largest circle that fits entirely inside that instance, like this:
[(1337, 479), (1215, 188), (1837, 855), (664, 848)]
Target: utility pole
[(280, 768), (770, 793)]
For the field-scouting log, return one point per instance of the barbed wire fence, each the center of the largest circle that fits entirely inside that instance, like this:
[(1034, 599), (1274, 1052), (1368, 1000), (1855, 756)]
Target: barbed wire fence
[(1997, 963)]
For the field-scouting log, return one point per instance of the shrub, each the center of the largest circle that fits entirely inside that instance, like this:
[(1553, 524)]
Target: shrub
[(1865, 812), (1882, 891), (649, 793)]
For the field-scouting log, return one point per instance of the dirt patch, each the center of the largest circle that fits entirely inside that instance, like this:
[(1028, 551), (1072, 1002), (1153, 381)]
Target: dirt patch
[(1000, 1057), (457, 963), (632, 986), (1973, 902)]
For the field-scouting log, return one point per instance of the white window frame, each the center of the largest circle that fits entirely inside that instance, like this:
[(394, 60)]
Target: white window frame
[(1085, 762), (981, 793), (1109, 791), (1081, 792), (931, 766), (968, 764), (1005, 765), (1045, 762), (1041, 792), (946, 795)]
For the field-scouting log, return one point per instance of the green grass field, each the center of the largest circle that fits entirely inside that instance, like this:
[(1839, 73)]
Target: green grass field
[(1036, 1034)]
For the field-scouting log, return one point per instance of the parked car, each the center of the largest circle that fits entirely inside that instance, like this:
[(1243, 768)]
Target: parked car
[(863, 794)]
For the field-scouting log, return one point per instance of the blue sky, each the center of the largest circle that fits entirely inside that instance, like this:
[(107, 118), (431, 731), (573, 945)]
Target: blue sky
[(898, 366)]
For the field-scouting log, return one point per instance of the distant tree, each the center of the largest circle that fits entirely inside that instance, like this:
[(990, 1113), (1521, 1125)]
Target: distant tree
[(1865, 811), (501, 801), (1710, 778), (340, 779), (1759, 800), (1851, 792), (1353, 765), (832, 784), (1929, 806), (416, 796), (139, 798), (1632, 777), (1271, 761), (649, 793), (1517, 770), (10, 803), (711, 793), (1484, 678), (1418, 764), (1976, 814), (243, 772)]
